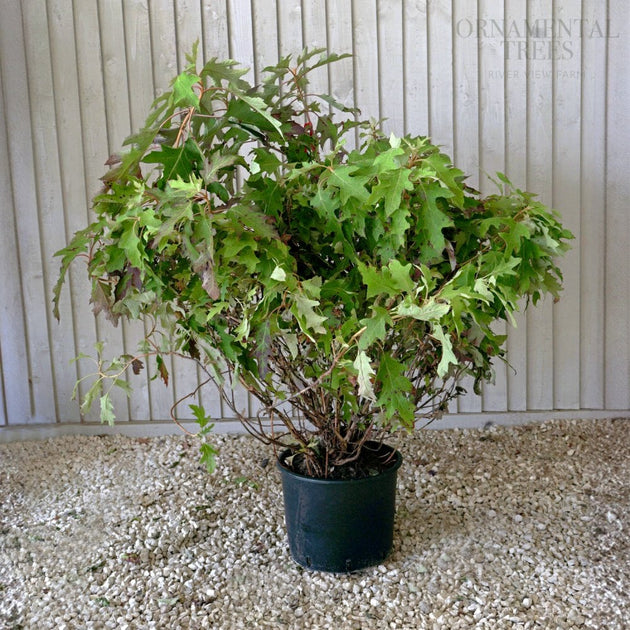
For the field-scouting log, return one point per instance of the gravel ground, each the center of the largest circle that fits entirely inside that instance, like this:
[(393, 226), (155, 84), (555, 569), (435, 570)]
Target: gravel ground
[(521, 527)]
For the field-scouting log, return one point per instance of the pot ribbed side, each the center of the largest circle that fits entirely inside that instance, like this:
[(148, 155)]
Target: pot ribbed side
[(339, 525)]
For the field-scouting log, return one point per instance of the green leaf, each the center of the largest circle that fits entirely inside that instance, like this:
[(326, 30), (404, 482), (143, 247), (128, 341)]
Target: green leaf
[(183, 94), (180, 162), (122, 384), (254, 220), (131, 243), (200, 415), (278, 274), (391, 280), (365, 375), (77, 246), (397, 183), (259, 106), (267, 161), (482, 290), (325, 58), (375, 327), (349, 185), (336, 104), (208, 456), (220, 71), (263, 348), (391, 186), (107, 410), (447, 175), (492, 268), (504, 179), (191, 57), (448, 357), (430, 310), (304, 309), (394, 141), (326, 202), (291, 341), (432, 221), (394, 389), (90, 396)]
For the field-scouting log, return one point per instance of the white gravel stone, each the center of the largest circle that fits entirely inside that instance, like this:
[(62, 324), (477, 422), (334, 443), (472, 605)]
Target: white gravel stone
[(521, 527)]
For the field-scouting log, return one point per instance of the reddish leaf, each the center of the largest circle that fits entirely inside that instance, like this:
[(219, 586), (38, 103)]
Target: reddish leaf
[(113, 159), (137, 366), (101, 301), (163, 372)]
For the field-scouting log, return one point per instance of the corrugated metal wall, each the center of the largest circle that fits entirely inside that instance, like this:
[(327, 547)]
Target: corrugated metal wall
[(538, 89)]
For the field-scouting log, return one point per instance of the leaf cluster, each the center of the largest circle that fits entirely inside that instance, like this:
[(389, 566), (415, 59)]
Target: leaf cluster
[(348, 289)]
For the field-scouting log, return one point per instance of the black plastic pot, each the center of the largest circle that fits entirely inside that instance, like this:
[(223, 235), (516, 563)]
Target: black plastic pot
[(339, 525)]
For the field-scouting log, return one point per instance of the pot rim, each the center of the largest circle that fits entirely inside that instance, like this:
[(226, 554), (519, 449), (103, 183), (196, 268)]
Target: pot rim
[(318, 480)]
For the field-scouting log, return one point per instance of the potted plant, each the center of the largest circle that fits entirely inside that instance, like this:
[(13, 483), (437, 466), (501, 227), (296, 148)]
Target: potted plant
[(347, 289)]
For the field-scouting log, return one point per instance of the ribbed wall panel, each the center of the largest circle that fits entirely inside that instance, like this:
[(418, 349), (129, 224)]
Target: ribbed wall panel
[(538, 89)]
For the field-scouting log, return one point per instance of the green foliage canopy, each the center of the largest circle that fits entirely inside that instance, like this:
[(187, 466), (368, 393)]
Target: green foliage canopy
[(356, 284)]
